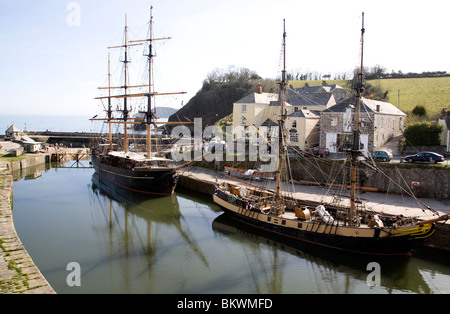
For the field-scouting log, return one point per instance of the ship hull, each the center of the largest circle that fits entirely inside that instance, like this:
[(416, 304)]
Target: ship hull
[(152, 182), (367, 241)]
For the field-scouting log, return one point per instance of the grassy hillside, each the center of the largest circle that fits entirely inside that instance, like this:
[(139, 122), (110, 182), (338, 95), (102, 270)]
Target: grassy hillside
[(433, 93)]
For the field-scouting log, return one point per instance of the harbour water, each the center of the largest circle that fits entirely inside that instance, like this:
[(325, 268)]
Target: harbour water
[(183, 244)]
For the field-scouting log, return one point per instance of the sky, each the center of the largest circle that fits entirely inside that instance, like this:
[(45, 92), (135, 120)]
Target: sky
[(54, 56)]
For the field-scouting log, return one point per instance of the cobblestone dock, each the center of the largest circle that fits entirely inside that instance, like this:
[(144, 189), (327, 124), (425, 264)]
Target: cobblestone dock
[(18, 273)]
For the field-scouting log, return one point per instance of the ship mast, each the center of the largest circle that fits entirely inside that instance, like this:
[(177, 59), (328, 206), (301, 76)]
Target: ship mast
[(148, 113), (281, 145), (125, 87), (151, 93), (356, 150), (125, 107), (109, 102)]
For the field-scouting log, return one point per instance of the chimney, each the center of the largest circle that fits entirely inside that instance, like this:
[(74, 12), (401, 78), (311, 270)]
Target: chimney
[(258, 89)]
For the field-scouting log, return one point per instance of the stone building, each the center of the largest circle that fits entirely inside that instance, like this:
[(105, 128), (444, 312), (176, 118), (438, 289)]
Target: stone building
[(13, 132), (303, 106), (380, 121)]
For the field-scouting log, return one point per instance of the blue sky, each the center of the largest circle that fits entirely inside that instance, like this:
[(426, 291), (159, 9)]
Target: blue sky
[(53, 52)]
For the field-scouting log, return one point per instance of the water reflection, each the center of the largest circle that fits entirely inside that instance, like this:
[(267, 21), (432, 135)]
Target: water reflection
[(142, 225), (127, 243), (335, 271)]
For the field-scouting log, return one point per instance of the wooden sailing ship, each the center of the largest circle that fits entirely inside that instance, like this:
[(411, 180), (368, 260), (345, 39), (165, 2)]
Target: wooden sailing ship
[(351, 228), (148, 171)]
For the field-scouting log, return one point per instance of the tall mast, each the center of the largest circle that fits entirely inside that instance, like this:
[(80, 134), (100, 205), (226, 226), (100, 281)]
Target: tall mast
[(125, 108), (149, 97), (109, 101), (148, 113), (355, 151), (283, 85)]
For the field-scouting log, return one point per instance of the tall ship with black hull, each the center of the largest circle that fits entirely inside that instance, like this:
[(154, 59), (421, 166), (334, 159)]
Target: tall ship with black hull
[(350, 228), (138, 167)]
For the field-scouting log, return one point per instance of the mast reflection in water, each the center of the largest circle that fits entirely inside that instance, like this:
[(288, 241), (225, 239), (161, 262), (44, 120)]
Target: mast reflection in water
[(127, 243)]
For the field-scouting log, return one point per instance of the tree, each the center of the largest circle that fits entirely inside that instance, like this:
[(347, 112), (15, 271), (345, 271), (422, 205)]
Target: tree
[(221, 88)]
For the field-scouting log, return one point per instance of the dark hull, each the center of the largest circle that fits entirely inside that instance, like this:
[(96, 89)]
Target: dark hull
[(154, 182), (379, 243), (372, 246)]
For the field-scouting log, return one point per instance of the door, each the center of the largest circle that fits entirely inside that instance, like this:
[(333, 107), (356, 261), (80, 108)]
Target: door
[(331, 142)]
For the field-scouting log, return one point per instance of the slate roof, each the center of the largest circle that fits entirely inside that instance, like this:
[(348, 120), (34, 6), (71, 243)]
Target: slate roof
[(447, 123), (367, 105), (307, 99), (269, 122), (257, 98), (304, 113), (316, 89), (278, 103)]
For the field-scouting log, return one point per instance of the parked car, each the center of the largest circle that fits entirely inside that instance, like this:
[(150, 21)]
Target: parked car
[(316, 152), (381, 155), (425, 157)]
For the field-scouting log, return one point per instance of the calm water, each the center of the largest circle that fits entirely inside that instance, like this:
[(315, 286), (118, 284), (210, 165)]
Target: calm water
[(182, 244)]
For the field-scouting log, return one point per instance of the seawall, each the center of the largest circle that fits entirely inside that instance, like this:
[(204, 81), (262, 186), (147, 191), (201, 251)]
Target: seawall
[(18, 273), (424, 180)]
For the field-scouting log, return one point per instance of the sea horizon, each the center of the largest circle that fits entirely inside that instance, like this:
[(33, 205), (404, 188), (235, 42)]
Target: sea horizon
[(52, 123), (42, 122)]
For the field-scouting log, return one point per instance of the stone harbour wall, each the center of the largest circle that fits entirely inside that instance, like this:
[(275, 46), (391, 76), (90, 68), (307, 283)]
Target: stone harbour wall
[(423, 180)]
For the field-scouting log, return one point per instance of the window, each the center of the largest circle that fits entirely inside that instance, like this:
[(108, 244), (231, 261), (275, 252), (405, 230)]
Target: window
[(243, 121), (244, 108), (333, 122), (293, 137), (294, 124)]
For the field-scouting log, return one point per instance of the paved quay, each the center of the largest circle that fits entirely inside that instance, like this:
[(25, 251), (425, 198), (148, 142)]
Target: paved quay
[(385, 203)]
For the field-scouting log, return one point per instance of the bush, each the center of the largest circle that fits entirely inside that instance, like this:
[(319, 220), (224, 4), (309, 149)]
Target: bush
[(419, 111), (423, 134)]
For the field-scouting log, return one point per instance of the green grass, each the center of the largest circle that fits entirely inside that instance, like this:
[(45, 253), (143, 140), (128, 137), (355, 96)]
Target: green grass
[(433, 93), (10, 158)]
